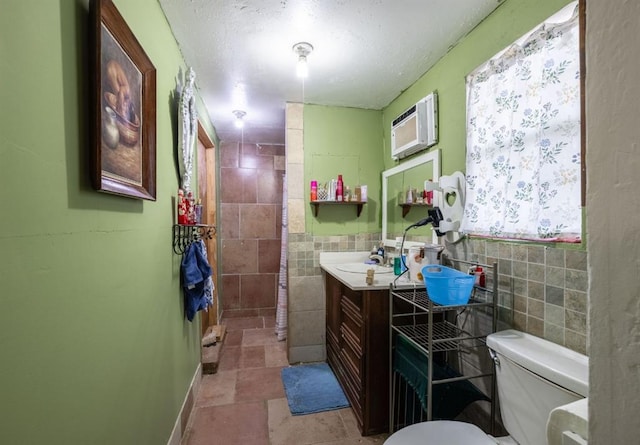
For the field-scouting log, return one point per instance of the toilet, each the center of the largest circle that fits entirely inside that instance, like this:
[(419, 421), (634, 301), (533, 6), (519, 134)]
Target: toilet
[(534, 377)]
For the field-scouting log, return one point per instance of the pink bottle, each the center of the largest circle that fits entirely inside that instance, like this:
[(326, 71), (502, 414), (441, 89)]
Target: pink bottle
[(314, 191), (339, 190)]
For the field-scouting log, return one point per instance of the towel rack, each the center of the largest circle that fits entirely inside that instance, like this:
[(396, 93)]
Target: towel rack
[(184, 235)]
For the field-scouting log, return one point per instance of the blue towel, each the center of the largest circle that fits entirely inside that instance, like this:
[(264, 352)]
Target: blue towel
[(195, 272)]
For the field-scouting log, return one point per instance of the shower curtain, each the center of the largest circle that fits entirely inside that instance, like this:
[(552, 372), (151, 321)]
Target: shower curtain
[(281, 308)]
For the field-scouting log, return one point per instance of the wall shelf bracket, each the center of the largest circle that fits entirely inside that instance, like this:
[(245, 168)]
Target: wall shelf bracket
[(317, 204)]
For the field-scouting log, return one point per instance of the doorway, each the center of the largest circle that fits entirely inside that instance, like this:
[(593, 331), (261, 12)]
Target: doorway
[(206, 157)]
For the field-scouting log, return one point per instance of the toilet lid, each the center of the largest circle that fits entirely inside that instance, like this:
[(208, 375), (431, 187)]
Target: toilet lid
[(440, 432)]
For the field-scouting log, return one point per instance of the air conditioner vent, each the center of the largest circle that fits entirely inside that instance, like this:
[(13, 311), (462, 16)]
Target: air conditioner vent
[(416, 128)]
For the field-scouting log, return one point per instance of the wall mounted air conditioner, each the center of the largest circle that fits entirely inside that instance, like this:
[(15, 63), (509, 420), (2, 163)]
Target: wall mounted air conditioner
[(416, 128)]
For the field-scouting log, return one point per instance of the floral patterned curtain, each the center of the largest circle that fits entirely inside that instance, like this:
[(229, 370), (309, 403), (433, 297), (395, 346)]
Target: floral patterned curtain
[(523, 139)]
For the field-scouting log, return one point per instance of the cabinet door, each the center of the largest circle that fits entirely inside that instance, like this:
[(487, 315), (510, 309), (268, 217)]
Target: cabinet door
[(376, 361)]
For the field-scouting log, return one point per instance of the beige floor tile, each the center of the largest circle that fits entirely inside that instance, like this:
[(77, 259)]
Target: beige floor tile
[(276, 354), (285, 429), (239, 423), (350, 422), (259, 337), (234, 324), (217, 389)]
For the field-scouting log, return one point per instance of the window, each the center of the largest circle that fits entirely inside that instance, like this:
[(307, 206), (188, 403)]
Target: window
[(523, 138)]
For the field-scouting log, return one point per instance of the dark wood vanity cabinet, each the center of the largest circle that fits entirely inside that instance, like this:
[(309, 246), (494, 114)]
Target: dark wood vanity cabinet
[(358, 350)]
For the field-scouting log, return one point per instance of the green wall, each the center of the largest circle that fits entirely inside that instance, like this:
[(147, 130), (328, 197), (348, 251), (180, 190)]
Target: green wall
[(508, 22), (346, 141), (94, 346)]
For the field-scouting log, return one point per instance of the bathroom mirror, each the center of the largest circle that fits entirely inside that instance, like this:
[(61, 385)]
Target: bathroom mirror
[(188, 128), (395, 183)]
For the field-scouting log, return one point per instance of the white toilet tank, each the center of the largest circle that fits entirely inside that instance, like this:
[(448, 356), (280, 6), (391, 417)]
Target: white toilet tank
[(535, 376)]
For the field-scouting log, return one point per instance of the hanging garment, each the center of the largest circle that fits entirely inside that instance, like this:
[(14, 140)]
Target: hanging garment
[(208, 283), (195, 271)]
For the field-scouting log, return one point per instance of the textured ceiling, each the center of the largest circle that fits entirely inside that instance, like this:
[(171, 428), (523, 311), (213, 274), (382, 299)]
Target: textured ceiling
[(366, 52)]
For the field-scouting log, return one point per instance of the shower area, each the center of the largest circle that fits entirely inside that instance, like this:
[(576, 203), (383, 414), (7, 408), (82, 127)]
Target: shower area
[(251, 230)]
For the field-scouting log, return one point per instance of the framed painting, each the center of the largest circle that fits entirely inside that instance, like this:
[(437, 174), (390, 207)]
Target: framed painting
[(123, 148)]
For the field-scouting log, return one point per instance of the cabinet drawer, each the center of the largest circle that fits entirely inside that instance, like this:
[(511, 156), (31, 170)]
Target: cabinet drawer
[(351, 308), (332, 340), (351, 374), (350, 339), (351, 322), (353, 393), (355, 297), (352, 362), (333, 354)]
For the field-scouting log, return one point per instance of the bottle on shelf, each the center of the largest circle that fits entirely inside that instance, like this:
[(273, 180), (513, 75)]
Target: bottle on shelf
[(428, 196), (480, 277), (190, 209), (339, 189), (182, 208), (314, 190), (198, 212)]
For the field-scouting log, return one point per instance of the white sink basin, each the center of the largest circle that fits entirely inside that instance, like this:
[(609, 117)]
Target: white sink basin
[(362, 268)]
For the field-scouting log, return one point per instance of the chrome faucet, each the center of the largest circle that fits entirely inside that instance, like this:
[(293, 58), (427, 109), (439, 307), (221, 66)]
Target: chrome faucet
[(378, 258)]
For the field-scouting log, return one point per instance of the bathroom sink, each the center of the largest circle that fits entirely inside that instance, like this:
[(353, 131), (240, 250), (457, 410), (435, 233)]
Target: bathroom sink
[(362, 268)]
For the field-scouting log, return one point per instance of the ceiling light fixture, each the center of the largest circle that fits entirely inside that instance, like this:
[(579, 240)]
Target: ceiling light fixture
[(239, 114), (302, 49)]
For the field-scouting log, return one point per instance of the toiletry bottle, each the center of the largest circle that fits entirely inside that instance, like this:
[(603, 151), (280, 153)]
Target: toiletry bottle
[(397, 265), (191, 220), (314, 190), (480, 277), (339, 189), (182, 208), (198, 212), (332, 190)]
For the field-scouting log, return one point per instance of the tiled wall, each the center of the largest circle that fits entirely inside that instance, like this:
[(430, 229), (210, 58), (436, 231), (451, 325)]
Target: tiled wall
[(307, 306), (543, 289), (251, 178)]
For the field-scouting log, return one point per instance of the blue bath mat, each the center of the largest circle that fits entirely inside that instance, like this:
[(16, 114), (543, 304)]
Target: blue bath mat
[(312, 388)]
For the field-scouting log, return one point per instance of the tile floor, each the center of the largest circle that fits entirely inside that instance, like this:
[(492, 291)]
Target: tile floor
[(244, 402)]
